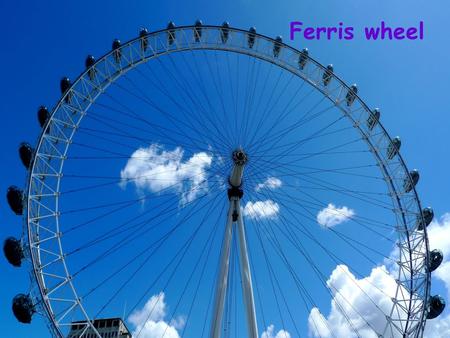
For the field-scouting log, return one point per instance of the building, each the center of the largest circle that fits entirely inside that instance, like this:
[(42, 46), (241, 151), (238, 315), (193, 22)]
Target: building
[(108, 328)]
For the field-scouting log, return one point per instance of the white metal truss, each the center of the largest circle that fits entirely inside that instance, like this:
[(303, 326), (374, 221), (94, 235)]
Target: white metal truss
[(56, 286)]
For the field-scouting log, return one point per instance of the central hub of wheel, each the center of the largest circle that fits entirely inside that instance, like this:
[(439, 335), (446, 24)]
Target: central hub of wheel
[(239, 160)]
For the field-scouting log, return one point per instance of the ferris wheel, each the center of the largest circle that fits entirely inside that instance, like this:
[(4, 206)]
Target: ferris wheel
[(229, 177)]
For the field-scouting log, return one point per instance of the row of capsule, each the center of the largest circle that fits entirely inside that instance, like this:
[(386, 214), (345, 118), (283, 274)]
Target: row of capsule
[(22, 304)]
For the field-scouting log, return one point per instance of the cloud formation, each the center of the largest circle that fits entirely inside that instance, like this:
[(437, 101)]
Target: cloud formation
[(351, 296), (261, 209), (155, 169), (269, 183), (149, 322), (332, 215), (270, 333)]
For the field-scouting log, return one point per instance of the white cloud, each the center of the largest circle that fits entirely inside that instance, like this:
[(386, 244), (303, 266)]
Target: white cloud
[(439, 236), (261, 209), (149, 321), (269, 183), (332, 215), (347, 292), (270, 333), (355, 303), (155, 169)]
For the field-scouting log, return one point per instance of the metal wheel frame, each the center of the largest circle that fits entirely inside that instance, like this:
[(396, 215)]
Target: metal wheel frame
[(41, 220)]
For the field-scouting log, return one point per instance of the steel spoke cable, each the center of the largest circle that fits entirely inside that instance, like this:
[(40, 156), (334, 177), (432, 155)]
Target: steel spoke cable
[(156, 245), (323, 279), (225, 134), (165, 133), (248, 92), (201, 84), (123, 243), (306, 232), (267, 104), (262, 140), (206, 249), (314, 136), (119, 132), (304, 118), (119, 229), (96, 218), (207, 257), (289, 198), (218, 88), (192, 111), (272, 276), (319, 184), (170, 117), (299, 284), (187, 246), (186, 90)]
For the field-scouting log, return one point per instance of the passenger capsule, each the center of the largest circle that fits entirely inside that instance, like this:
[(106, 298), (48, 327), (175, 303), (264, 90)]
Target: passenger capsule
[(43, 115), (436, 305), (90, 61), (373, 118), (436, 258), (225, 31), (303, 58), (198, 30), (143, 34), (26, 154), (64, 85), (351, 95), (13, 251), (23, 308), (117, 52), (327, 75), (394, 147), (425, 219), (251, 37), (15, 199), (277, 46), (411, 181), (171, 32)]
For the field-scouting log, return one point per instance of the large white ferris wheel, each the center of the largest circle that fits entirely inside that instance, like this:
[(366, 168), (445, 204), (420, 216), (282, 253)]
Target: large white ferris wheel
[(231, 174)]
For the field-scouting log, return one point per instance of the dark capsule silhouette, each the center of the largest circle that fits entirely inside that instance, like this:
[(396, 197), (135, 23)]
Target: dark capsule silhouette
[(436, 258), (251, 37), (14, 197), (198, 30), (277, 46), (64, 85), (411, 181), (26, 154), (373, 118), (436, 305), (171, 32), (43, 115), (393, 148), (351, 95), (327, 75), (23, 308), (116, 50), (13, 251), (225, 32), (143, 34), (89, 62), (428, 215), (303, 58)]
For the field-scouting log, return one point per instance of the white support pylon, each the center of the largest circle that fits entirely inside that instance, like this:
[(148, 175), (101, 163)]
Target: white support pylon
[(234, 216)]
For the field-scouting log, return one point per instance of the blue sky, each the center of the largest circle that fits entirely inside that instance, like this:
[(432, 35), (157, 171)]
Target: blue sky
[(406, 79)]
